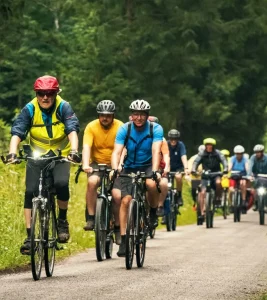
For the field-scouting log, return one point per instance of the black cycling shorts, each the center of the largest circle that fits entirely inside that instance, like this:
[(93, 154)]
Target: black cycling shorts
[(61, 175)]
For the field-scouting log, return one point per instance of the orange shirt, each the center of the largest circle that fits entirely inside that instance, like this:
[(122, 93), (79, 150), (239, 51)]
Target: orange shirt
[(101, 140)]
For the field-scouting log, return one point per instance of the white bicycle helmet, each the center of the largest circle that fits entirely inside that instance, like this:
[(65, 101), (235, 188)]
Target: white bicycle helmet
[(239, 149), (140, 105), (258, 148), (106, 107), (201, 148)]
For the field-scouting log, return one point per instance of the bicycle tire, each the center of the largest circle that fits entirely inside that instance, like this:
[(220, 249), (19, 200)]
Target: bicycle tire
[(225, 206), (152, 233), (50, 237), (168, 221), (174, 219), (141, 237), (235, 207), (130, 234), (207, 207), (36, 241), (100, 229), (262, 212), (110, 237)]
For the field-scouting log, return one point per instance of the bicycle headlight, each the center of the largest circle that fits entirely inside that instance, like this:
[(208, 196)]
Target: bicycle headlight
[(36, 154), (169, 185), (261, 191)]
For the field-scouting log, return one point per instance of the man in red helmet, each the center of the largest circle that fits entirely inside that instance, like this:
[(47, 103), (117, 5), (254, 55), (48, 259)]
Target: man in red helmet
[(52, 125)]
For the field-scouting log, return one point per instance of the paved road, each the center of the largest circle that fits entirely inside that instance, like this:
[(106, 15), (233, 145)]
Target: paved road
[(226, 262)]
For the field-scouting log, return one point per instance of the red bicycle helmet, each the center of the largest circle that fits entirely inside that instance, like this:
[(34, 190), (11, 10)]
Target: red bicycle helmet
[(46, 83)]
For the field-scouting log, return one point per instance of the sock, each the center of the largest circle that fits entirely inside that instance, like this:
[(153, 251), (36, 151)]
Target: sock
[(179, 194), (91, 217), (123, 238), (28, 232), (153, 210), (116, 227), (62, 214)]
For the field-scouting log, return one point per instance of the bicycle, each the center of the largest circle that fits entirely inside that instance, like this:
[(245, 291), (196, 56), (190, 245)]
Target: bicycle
[(138, 224), (262, 197), (44, 228), (210, 197), (104, 223), (173, 207), (225, 205), (236, 196)]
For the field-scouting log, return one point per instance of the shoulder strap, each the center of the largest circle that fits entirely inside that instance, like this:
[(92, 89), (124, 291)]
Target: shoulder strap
[(128, 133)]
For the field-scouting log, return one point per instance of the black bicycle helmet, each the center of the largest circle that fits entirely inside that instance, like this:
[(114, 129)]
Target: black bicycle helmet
[(174, 134), (106, 107)]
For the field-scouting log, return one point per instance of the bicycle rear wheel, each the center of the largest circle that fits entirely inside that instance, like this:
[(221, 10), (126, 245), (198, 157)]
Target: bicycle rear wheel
[(168, 219), (110, 237), (50, 237), (36, 241), (130, 234), (100, 229), (141, 237)]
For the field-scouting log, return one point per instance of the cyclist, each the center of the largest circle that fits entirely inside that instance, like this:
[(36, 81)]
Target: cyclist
[(258, 165), (210, 159), (98, 143), (196, 179), (143, 140), (178, 160), (164, 168), (238, 162), (52, 125)]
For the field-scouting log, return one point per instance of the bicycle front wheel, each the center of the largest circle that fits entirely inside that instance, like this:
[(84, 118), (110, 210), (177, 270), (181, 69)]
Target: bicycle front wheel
[(50, 237), (141, 238), (208, 211), (100, 229), (225, 204), (36, 241), (130, 234)]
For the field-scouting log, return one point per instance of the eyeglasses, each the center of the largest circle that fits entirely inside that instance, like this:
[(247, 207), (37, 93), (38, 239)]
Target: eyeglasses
[(46, 93), (139, 114)]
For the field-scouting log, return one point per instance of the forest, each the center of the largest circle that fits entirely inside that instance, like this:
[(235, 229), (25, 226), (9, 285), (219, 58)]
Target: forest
[(200, 64)]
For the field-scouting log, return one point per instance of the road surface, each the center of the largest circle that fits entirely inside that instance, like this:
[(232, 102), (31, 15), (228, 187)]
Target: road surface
[(226, 262)]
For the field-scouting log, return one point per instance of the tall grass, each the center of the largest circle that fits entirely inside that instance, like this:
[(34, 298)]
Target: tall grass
[(12, 228)]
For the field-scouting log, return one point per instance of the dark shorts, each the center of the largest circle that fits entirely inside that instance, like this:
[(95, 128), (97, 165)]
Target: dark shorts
[(61, 176), (204, 182), (195, 183), (178, 170), (125, 184)]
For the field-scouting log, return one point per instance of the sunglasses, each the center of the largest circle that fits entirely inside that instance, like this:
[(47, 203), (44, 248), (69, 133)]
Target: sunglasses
[(45, 93)]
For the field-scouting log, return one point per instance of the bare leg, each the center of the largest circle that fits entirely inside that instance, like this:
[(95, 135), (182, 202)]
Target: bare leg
[(91, 194), (164, 191), (124, 212)]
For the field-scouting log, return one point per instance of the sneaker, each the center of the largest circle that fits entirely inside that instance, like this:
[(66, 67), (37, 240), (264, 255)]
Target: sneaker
[(25, 249), (90, 225), (153, 220), (63, 231), (117, 236), (160, 211), (163, 220), (122, 249), (255, 208)]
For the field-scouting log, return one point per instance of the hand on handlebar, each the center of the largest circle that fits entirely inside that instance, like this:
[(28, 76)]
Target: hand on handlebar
[(112, 173), (11, 158), (87, 169), (74, 157)]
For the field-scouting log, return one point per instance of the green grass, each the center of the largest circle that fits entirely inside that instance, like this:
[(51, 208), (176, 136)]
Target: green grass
[(12, 228)]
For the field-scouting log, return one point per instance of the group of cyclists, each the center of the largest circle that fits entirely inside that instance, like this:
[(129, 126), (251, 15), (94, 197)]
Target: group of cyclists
[(137, 145)]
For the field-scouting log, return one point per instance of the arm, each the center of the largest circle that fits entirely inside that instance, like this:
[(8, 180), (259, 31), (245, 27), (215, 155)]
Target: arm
[(166, 158), (124, 153), (196, 163), (88, 139), (14, 142), (69, 119), (223, 161), (247, 166), (230, 166), (73, 138), (116, 156), (251, 165), (156, 147), (184, 161)]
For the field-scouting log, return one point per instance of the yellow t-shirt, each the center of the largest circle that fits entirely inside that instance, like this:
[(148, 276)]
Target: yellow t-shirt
[(101, 140)]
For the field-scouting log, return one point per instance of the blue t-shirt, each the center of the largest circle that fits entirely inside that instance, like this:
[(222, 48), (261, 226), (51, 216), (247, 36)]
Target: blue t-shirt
[(139, 145), (176, 152), (239, 165)]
